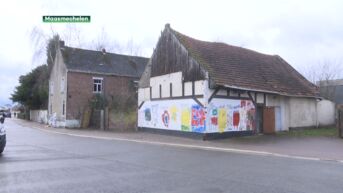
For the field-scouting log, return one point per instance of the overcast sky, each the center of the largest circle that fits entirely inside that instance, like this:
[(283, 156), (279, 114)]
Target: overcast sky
[(304, 33)]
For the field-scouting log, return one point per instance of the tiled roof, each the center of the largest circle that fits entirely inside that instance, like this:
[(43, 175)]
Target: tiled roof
[(90, 61), (237, 67)]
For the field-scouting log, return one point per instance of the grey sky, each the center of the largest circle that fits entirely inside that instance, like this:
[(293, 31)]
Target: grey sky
[(304, 33)]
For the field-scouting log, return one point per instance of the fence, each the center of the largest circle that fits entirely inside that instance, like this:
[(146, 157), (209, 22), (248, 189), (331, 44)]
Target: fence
[(340, 123)]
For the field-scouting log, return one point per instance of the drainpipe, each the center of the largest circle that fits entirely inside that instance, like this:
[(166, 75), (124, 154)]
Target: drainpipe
[(317, 122)]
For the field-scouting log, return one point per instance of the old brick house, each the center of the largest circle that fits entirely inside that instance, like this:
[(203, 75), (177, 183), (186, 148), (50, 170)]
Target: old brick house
[(213, 88), (78, 74)]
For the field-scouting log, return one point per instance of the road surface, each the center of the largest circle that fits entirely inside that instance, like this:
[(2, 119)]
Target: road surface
[(38, 161)]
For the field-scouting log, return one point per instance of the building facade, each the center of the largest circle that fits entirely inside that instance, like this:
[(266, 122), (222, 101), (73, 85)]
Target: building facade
[(78, 75), (212, 88)]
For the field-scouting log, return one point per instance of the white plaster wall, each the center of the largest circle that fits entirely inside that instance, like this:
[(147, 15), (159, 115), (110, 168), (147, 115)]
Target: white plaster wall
[(302, 112), (199, 87), (141, 97), (222, 92), (188, 88), (326, 112), (260, 98), (58, 77), (164, 81)]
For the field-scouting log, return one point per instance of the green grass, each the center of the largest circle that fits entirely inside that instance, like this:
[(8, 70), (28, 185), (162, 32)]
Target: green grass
[(311, 132)]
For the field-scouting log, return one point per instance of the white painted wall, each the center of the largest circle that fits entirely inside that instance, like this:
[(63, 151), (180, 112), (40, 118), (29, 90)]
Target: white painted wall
[(164, 81), (40, 116), (302, 112), (57, 89), (326, 112)]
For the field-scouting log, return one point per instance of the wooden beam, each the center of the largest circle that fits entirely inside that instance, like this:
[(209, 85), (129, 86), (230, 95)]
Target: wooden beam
[(193, 88), (197, 101), (230, 97), (160, 91), (264, 99), (252, 99), (213, 94), (180, 97), (150, 92), (139, 107)]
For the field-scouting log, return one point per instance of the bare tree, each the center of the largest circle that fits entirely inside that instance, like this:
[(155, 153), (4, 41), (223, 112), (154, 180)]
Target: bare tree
[(322, 74), (103, 41), (132, 48)]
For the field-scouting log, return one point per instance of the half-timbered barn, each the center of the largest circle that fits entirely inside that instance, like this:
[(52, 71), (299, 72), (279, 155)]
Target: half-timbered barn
[(217, 89)]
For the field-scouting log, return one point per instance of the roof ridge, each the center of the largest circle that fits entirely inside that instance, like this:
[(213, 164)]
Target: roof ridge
[(223, 43), (84, 49)]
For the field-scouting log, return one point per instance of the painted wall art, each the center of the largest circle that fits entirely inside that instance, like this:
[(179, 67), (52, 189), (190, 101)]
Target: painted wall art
[(221, 115), (231, 115)]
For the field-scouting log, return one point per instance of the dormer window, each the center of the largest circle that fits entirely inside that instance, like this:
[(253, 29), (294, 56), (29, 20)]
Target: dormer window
[(97, 85)]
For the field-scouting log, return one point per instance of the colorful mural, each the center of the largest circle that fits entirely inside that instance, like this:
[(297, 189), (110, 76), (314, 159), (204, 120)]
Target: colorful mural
[(198, 119), (221, 115), (165, 118), (185, 119), (233, 115), (173, 111), (147, 114), (222, 119)]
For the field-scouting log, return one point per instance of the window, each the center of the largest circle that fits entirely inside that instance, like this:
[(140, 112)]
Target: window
[(97, 85)]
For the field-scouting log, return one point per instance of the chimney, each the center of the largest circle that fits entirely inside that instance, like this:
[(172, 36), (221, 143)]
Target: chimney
[(61, 43), (103, 51), (167, 25)]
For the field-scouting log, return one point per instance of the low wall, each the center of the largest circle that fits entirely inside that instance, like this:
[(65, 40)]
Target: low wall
[(40, 116), (326, 113)]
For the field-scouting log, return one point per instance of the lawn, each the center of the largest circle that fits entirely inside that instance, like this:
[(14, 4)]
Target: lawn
[(311, 132)]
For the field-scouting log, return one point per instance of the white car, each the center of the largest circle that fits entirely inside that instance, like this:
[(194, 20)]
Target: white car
[(2, 133)]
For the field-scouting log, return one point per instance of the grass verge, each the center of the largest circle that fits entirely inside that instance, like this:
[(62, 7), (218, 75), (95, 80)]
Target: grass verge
[(311, 132)]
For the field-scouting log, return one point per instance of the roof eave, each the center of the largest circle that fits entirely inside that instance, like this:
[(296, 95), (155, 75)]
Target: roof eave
[(101, 73), (268, 92)]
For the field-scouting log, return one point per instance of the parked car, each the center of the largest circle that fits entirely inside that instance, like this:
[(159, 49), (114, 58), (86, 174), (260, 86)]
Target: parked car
[(7, 114), (2, 133)]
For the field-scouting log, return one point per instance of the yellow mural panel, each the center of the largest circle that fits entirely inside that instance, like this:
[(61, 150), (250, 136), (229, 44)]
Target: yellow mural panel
[(173, 112), (185, 119), (222, 119)]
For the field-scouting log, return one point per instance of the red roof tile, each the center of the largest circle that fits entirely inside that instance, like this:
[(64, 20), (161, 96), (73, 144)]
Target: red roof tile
[(238, 67)]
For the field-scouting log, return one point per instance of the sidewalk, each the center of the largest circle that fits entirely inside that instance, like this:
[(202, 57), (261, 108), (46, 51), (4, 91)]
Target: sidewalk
[(313, 148)]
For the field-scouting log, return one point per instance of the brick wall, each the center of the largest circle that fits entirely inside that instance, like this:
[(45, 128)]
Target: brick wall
[(80, 91)]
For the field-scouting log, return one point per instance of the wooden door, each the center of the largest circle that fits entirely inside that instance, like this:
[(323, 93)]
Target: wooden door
[(268, 120)]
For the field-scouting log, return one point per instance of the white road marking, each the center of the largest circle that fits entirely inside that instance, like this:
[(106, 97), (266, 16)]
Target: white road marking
[(210, 148)]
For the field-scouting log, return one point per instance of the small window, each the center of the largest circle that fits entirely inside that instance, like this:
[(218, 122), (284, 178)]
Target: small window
[(97, 85)]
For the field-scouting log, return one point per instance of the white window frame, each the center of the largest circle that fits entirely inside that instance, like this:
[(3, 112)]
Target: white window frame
[(101, 84)]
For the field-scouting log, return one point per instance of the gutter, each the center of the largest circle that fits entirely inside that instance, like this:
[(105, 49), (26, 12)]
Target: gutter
[(269, 92)]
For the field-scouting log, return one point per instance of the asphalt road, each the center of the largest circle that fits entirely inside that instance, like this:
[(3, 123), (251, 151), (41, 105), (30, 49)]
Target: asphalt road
[(37, 161)]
